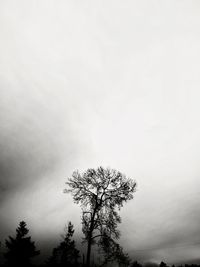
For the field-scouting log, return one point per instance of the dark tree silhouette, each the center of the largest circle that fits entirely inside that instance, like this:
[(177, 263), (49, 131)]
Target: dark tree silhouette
[(20, 249), (100, 192), (66, 253), (163, 264), (112, 251)]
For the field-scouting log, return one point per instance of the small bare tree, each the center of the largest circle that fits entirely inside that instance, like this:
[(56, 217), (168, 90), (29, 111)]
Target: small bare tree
[(101, 192)]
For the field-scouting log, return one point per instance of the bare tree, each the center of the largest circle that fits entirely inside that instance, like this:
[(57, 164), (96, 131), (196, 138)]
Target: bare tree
[(101, 192)]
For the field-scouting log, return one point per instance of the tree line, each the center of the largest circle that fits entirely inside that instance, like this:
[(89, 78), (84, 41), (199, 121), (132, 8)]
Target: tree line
[(101, 193), (21, 250)]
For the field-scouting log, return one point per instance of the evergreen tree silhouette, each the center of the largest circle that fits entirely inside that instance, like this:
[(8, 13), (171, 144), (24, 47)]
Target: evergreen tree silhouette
[(20, 249), (65, 254)]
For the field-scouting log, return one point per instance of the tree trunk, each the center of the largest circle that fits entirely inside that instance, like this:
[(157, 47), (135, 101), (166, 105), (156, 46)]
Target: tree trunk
[(90, 238), (88, 252), (91, 234)]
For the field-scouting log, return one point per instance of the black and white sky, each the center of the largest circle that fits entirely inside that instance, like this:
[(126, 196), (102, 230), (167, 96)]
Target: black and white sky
[(111, 83)]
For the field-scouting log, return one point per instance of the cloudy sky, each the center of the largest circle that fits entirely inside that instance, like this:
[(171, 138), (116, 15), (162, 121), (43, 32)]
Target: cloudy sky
[(112, 83)]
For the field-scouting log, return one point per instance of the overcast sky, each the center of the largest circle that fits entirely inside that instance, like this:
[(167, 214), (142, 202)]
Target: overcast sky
[(112, 83)]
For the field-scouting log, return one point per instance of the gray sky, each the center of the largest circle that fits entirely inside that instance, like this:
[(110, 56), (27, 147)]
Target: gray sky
[(112, 83)]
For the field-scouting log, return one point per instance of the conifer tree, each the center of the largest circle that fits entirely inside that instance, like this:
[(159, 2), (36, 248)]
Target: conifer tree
[(65, 254), (20, 249)]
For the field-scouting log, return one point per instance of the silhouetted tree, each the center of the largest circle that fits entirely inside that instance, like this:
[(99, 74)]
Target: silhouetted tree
[(66, 253), (100, 192), (20, 249), (112, 251), (163, 264)]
